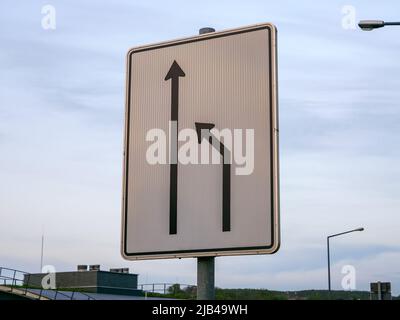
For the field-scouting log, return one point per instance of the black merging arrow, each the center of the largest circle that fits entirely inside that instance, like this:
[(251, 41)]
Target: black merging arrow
[(174, 73), (203, 132)]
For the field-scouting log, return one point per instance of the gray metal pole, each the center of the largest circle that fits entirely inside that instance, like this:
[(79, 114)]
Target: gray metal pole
[(392, 23), (41, 254), (329, 266), (205, 278), (379, 291), (206, 265), (329, 255)]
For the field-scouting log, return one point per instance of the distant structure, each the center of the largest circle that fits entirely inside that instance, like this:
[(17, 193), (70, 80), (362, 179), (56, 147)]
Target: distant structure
[(117, 281), (381, 291)]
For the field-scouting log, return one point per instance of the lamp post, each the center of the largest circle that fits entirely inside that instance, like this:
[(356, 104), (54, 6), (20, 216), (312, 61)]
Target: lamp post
[(369, 25), (329, 258)]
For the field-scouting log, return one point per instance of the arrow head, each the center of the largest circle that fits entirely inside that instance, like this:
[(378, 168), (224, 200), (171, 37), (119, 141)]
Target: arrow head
[(203, 126), (174, 72)]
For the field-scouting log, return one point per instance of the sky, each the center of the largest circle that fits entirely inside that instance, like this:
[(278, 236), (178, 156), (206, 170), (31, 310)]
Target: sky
[(61, 136)]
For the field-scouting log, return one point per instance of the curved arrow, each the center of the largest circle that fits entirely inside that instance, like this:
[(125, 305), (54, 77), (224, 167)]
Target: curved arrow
[(203, 132), (175, 71)]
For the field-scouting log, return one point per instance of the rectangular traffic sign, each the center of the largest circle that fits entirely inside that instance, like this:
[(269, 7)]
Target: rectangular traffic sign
[(201, 147)]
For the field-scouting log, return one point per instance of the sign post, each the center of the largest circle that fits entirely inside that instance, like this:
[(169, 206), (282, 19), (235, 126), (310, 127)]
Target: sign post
[(205, 265), (205, 278)]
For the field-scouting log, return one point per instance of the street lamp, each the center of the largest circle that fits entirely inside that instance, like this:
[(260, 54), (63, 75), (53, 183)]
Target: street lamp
[(368, 25), (329, 257)]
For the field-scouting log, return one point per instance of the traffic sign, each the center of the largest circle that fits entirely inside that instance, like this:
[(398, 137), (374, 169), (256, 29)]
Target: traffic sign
[(201, 147)]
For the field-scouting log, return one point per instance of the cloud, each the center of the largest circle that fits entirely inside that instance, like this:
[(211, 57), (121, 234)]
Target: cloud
[(61, 123)]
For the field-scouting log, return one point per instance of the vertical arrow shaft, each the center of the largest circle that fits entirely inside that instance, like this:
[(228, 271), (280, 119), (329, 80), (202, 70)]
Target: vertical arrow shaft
[(226, 198), (173, 198), (226, 189), (173, 74), (174, 99), (173, 187)]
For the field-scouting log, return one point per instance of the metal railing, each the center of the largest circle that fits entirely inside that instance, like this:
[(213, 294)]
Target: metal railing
[(18, 282), (168, 288)]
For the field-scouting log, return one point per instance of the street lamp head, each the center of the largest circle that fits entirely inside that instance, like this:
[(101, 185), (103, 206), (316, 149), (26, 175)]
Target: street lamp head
[(368, 25), (360, 229), (206, 30)]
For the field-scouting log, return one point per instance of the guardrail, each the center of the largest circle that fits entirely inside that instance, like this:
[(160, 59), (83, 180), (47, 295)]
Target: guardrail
[(17, 282), (168, 288)]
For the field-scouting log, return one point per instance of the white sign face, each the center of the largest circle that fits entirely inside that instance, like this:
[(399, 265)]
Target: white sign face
[(201, 147)]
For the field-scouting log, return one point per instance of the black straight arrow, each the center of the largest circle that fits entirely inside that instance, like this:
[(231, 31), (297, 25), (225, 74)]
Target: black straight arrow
[(174, 73), (203, 132)]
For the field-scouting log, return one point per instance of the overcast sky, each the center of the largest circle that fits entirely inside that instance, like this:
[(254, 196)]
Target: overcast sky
[(61, 136)]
